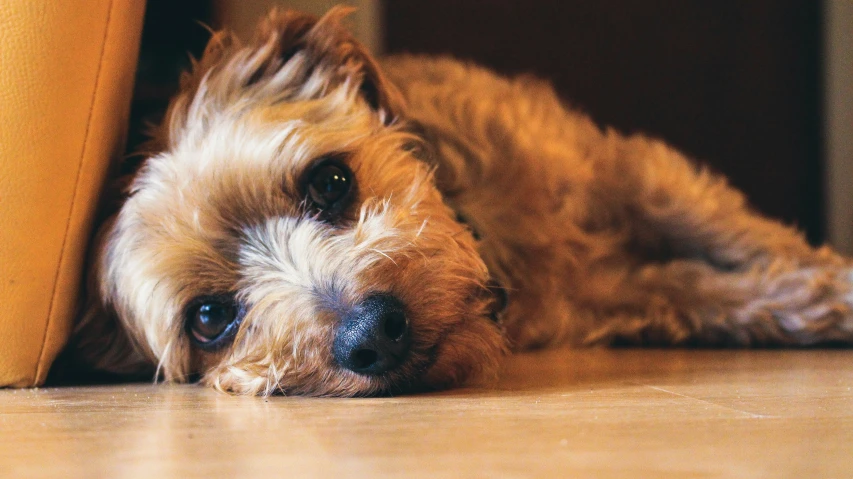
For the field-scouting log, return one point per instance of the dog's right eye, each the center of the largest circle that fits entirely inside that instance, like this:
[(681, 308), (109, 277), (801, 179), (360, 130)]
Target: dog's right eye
[(329, 186), (212, 321)]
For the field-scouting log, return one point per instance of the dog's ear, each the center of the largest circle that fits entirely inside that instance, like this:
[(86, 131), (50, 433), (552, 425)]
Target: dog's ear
[(293, 56), (325, 43), (98, 342)]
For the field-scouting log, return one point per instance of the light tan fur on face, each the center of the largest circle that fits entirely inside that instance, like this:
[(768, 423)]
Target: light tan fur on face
[(220, 210), (597, 237)]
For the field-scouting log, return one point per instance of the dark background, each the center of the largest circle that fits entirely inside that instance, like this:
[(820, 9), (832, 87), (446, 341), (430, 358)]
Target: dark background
[(733, 83)]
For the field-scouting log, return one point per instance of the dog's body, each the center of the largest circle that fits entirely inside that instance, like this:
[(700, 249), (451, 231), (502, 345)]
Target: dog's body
[(601, 237), (315, 223)]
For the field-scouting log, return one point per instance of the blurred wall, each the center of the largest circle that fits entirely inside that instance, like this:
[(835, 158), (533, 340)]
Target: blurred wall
[(838, 111), (738, 85)]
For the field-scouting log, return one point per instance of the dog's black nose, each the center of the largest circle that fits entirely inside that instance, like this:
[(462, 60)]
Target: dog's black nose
[(374, 337)]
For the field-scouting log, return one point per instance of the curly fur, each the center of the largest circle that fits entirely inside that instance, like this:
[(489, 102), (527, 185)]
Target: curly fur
[(598, 238)]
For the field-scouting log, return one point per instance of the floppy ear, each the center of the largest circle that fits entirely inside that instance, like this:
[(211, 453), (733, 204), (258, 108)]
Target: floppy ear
[(98, 341), (293, 56), (327, 44)]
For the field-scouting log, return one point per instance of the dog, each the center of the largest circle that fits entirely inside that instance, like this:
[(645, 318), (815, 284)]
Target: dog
[(312, 221)]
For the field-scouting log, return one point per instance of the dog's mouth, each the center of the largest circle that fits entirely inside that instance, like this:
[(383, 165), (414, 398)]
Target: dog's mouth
[(378, 339), (414, 360), (461, 352)]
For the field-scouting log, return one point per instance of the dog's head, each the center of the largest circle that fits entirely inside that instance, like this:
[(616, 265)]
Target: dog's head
[(286, 238)]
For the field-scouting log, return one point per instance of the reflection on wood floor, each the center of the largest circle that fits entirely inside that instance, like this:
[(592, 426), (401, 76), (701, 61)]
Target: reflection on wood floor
[(587, 413)]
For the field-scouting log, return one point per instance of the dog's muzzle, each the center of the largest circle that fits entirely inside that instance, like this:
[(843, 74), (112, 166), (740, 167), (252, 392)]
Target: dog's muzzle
[(373, 338)]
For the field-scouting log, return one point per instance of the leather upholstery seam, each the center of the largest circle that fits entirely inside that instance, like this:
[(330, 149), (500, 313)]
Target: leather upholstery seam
[(64, 251)]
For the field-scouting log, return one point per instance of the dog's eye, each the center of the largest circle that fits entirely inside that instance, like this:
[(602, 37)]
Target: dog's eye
[(329, 185), (212, 321)]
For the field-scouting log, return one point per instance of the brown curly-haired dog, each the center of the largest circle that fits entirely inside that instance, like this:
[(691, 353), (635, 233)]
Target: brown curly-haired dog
[(316, 223)]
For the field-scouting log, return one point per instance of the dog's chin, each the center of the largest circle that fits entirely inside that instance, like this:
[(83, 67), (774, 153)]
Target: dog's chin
[(468, 353)]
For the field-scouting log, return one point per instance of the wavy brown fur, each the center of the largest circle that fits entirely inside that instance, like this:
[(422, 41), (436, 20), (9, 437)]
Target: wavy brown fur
[(598, 238)]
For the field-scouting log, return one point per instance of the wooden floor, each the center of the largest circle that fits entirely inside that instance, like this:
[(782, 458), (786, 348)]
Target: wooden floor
[(592, 413)]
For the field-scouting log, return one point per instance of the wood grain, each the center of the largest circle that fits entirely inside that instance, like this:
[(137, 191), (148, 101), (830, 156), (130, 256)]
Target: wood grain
[(589, 413)]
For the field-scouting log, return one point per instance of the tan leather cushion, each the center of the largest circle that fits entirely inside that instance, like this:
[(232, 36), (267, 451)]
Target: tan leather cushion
[(66, 72)]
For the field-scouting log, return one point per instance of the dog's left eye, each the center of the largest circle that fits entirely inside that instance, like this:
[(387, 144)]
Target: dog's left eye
[(329, 185), (212, 321)]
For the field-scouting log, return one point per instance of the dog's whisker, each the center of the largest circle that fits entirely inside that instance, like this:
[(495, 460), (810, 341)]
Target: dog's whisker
[(385, 255), (422, 228)]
